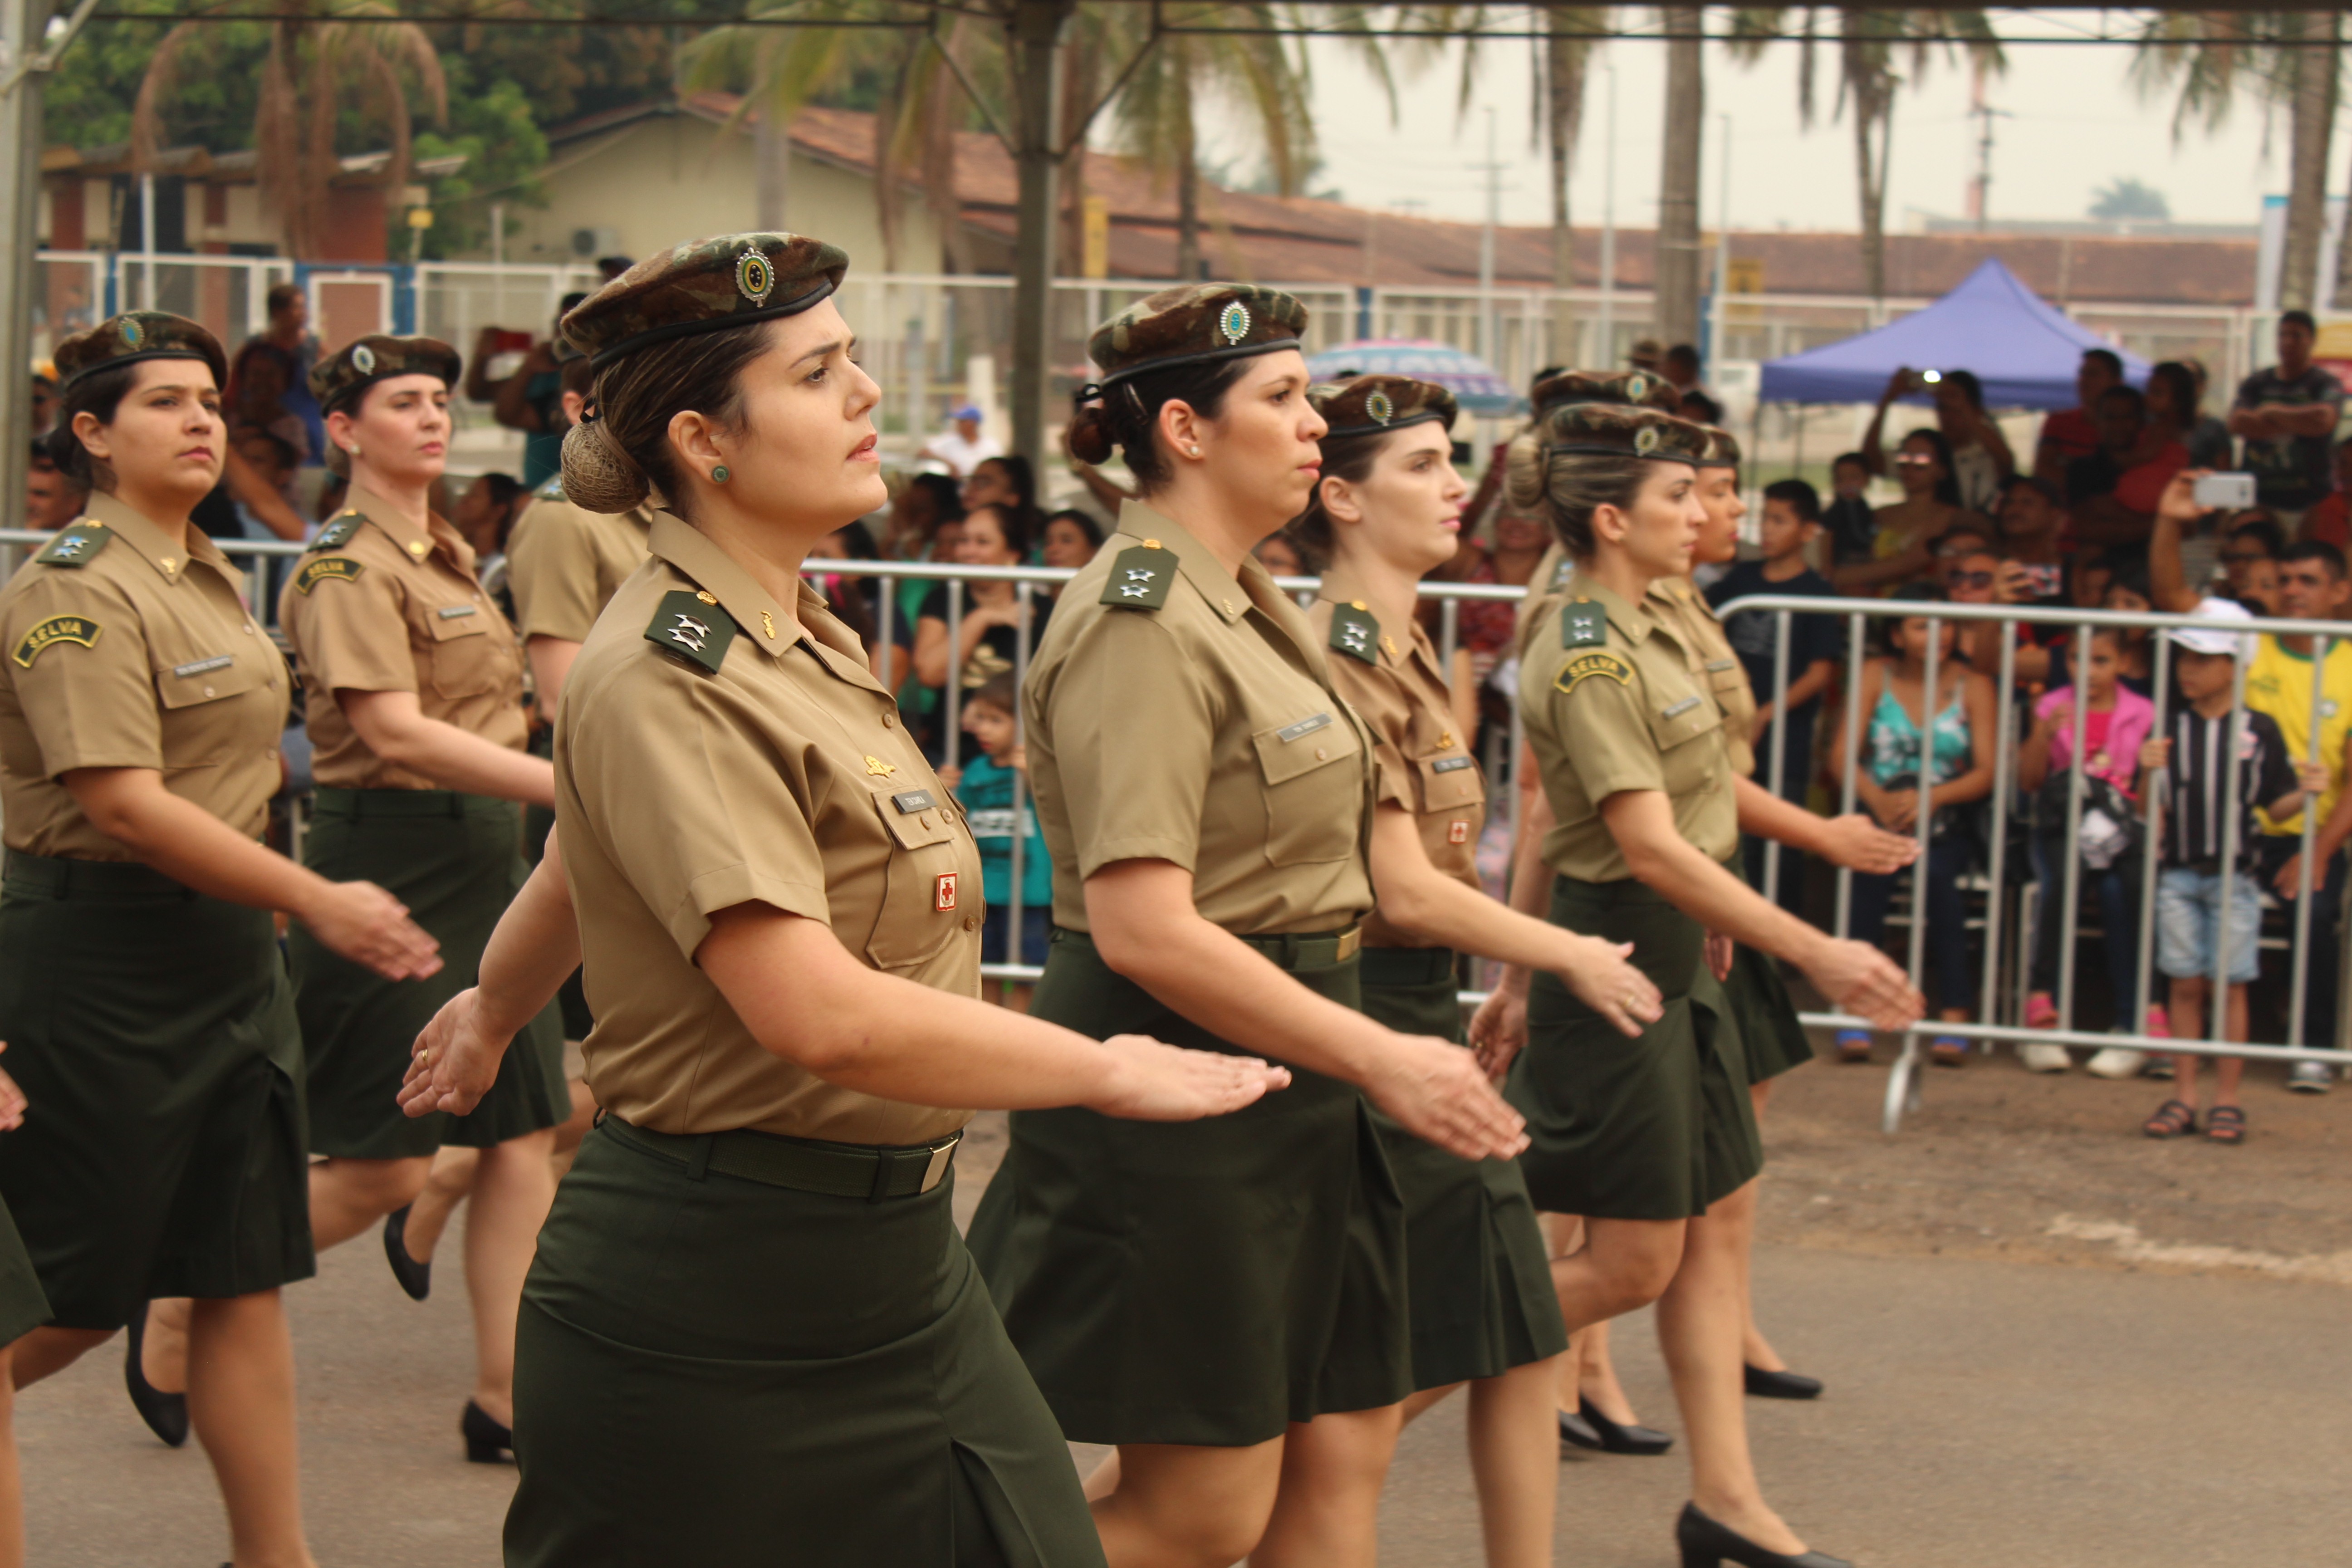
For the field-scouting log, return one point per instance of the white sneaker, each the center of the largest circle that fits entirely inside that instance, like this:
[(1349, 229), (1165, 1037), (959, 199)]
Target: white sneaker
[(2045, 1057), (2116, 1062), (2311, 1077)]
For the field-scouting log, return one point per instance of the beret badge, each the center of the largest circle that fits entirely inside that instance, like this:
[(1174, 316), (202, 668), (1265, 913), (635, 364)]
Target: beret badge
[(1234, 322), (754, 279), (131, 334), (1637, 387), (1645, 440), (364, 359), (1379, 408)]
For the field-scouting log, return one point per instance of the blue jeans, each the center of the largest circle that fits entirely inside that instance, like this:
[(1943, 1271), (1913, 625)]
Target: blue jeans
[(1949, 983), (2116, 889), (2189, 916), (1036, 922)]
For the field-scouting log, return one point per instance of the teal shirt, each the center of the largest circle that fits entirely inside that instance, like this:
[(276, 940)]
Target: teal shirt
[(986, 792)]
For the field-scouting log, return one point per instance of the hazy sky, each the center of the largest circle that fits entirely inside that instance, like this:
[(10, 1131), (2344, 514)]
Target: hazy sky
[(2072, 122)]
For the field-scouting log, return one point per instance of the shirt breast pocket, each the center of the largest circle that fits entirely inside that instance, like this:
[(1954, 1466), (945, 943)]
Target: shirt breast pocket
[(930, 883), (196, 699), (1680, 729), (465, 658), (1450, 782), (1312, 774)]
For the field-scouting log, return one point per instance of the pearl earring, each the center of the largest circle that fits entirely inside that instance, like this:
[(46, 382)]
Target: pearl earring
[(1195, 450), (718, 475)]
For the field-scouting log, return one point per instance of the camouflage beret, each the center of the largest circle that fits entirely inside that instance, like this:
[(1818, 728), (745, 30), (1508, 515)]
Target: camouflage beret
[(338, 380), (1722, 448), (1617, 430), (703, 285), (1195, 324), (1372, 404), (135, 336), (1638, 388)]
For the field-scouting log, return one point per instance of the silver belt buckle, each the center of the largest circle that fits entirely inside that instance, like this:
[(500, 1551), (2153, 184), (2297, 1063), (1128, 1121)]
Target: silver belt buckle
[(935, 1171)]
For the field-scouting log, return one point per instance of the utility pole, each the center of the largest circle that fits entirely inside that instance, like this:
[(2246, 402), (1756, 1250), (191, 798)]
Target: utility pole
[(22, 70), (1486, 250), (1675, 315), (1607, 358), (1722, 253), (1034, 31), (1980, 188)]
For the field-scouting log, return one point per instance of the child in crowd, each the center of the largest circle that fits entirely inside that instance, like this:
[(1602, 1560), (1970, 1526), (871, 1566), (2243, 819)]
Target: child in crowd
[(1791, 522), (1851, 526), (985, 785), (2115, 719), (2191, 876)]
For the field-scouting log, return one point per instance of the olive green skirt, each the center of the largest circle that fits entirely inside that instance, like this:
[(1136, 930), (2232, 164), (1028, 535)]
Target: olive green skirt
[(1655, 1127), (1760, 999), (24, 1305), (456, 861), (1204, 1282), (152, 1031), (1480, 1281), (714, 1371)]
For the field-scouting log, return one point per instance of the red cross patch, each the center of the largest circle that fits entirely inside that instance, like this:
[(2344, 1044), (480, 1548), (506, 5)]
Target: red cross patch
[(944, 890), (1459, 832)]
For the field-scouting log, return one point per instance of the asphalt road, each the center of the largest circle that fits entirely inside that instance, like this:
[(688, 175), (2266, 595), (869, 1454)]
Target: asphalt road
[(2047, 1342)]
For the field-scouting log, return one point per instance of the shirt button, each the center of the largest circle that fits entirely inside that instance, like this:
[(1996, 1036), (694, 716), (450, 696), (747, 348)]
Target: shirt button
[(889, 720), (971, 922), (246, 628), (1322, 755), (208, 691)]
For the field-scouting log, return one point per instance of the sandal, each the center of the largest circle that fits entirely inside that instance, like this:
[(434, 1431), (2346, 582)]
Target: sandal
[(2226, 1124), (1853, 1046), (2041, 1011), (2173, 1119), (1949, 1051)]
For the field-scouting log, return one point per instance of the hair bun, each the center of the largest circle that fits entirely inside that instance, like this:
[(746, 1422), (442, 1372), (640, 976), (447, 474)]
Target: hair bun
[(1523, 473), (598, 475), (1090, 437)]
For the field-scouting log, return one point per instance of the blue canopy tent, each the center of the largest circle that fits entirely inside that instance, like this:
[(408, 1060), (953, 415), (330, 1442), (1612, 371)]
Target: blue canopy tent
[(2024, 351)]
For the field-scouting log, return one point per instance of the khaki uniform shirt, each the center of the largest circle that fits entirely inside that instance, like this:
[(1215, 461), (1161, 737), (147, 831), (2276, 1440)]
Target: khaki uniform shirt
[(1622, 711), (143, 656), (1204, 732), (1718, 670), (1422, 765), (783, 778), (390, 606), (565, 563), (1546, 588)]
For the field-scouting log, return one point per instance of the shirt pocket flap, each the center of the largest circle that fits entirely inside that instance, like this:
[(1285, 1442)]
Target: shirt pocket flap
[(1448, 782), (1287, 751), (447, 621), (1726, 675), (917, 817), (207, 679), (1684, 719)]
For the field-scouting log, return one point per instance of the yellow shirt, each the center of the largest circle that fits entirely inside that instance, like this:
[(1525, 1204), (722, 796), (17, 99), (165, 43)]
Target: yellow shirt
[(2278, 682)]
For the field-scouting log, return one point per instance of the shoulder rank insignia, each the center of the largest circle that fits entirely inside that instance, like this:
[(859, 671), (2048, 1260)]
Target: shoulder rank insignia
[(1140, 578), (77, 544), (552, 489), (691, 629), (327, 569), (55, 629), (1584, 666), (1583, 623), (340, 533), (1355, 630)]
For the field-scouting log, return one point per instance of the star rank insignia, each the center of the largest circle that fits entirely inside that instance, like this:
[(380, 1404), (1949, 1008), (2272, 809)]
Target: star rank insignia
[(695, 631), (1583, 624), (1140, 578), (1355, 632), (77, 545)]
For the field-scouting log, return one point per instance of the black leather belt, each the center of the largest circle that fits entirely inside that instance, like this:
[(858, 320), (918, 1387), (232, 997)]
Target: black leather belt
[(803, 1165)]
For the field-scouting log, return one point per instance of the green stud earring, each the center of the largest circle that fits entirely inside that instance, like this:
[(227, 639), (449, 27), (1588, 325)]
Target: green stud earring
[(718, 475)]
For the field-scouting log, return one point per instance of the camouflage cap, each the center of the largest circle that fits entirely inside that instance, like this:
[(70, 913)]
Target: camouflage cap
[(1195, 324), (1638, 388), (338, 380), (1722, 448), (1373, 404), (703, 285), (1617, 430), (135, 336)]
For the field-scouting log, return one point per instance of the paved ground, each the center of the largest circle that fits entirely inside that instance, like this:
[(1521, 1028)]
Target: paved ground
[(2049, 1342)]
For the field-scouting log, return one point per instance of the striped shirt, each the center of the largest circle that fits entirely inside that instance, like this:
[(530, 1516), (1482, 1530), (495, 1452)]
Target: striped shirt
[(2193, 817)]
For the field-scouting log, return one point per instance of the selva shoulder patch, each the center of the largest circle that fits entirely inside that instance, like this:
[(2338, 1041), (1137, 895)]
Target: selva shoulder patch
[(1140, 578), (327, 569), (76, 544), (48, 634), (1585, 665), (692, 627), (1356, 631)]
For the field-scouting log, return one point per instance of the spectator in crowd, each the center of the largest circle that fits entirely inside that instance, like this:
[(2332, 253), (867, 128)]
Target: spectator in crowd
[(1848, 520), (962, 446), (1981, 455), (486, 514), (2031, 571), (1922, 751), (984, 786), (271, 462), (2074, 432), (1484, 629), (2251, 545), (1903, 547), (1281, 557), (844, 593), (2326, 520), (1645, 354), (53, 498), (1071, 537), (269, 381), (2128, 593), (990, 630), (2210, 445), (2115, 721), (923, 504), (2122, 417), (1005, 480), (2127, 511), (1680, 364), (1700, 408), (611, 267), (2183, 572), (2286, 414), (44, 404), (2312, 586), (531, 398), (2187, 760), (1791, 522)]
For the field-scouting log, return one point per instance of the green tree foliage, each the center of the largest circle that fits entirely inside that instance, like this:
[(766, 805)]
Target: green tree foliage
[(491, 124), (2125, 196)]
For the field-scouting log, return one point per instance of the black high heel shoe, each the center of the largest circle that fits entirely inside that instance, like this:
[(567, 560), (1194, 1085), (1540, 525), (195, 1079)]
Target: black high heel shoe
[(1707, 1544), (166, 1414), (487, 1442), (415, 1278), (1576, 1431), (1625, 1440), (1782, 1385)]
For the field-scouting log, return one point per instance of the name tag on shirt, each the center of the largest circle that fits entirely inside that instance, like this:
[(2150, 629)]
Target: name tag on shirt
[(218, 662), (913, 800), (457, 612), (1449, 764), (1678, 709), (1290, 733), (1720, 664)]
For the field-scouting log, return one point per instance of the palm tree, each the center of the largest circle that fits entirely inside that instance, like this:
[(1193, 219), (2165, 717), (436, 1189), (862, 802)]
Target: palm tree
[(1567, 56), (1678, 284), (312, 73), (2288, 58)]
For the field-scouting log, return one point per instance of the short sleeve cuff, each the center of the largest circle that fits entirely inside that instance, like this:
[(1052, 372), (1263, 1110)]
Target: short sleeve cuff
[(57, 764), (1111, 851), (690, 921)]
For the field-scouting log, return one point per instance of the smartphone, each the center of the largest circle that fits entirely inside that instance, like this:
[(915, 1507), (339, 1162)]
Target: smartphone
[(2045, 579), (506, 340), (1930, 377), (2225, 492)]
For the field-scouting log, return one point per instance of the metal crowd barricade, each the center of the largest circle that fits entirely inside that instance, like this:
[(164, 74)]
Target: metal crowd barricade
[(1902, 1090)]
